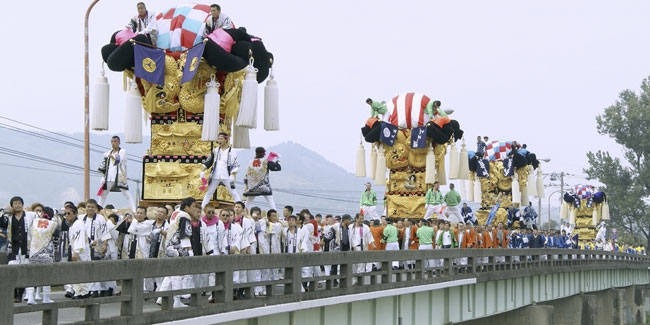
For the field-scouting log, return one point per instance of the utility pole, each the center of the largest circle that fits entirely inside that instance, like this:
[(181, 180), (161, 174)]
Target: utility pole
[(87, 106)]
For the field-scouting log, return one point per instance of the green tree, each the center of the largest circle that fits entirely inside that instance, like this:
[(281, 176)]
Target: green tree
[(627, 182)]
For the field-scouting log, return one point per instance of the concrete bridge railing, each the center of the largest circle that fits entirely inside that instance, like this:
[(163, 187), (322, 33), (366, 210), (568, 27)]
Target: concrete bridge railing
[(501, 264)]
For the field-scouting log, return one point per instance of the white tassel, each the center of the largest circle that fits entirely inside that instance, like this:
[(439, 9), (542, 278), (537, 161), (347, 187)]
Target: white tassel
[(532, 182), (605, 211), (564, 211), (100, 107), (210, 130), (461, 188), (248, 106), (453, 162), (477, 191), (132, 117), (516, 194), (241, 138), (373, 161), (463, 163), (430, 173), (540, 183), (361, 161), (271, 105), (380, 176), (470, 192)]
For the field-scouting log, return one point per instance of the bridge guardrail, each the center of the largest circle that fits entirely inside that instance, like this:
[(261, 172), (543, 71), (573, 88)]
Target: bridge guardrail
[(482, 264)]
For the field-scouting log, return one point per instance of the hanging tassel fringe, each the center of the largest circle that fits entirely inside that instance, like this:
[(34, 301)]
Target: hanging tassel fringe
[(430, 173), (564, 211), (470, 192), (247, 117), (380, 176), (532, 182), (373, 161), (361, 161), (241, 138), (572, 215), (477, 191), (441, 173), (453, 162), (605, 211), (463, 163), (132, 117), (516, 194), (461, 188), (540, 183), (271, 104), (210, 129), (100, 108)]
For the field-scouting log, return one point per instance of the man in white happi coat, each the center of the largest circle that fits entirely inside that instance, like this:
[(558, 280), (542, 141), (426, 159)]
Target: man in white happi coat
[(79, 247), (223, 166), (44, 230), (113, 167), (95, 226), (257, 177), (248, 244), (269, 241), (360, 239)]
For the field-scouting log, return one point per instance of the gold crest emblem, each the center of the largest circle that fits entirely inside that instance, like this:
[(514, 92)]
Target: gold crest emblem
[(149, 65), (194, 64)]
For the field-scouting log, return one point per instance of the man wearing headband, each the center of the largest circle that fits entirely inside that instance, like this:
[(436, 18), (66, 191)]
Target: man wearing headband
[(114, 169), (223, 167)]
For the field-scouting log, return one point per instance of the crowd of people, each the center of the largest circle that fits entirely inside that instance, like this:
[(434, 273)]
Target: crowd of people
[(87, 231)]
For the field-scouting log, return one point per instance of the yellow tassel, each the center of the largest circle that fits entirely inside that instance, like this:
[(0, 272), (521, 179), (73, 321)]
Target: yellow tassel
[(470, 192), (441, 173), (594, 217), (605, 211), (463, 163), (430, 174), (380, 176)]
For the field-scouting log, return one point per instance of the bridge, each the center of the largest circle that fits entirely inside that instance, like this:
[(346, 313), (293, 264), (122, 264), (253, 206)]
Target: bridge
[(536, 286)]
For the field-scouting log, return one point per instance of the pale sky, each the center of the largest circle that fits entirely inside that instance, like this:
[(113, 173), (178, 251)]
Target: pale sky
[(536, 72)]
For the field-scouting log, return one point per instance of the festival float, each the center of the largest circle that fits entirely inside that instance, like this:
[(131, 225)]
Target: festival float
[(408, 146), (191, 88), (586, 210), (501, 181)]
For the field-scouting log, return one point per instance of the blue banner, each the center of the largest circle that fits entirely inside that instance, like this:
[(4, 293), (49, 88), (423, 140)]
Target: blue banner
[(508, 167), (483, 168), (149, 64), (388, 133), (192, 62), (419, 137)]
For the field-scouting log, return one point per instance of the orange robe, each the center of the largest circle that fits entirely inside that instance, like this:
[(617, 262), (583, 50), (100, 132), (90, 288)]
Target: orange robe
[(466, 239), (377, 234), (488, 241), (504, 242)]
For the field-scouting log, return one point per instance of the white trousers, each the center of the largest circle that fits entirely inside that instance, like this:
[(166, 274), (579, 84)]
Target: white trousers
[(394, 246), (213, 187), (126, 193), (370, 212), (454, 214), (431, 209), (268, 198), (427, 247)]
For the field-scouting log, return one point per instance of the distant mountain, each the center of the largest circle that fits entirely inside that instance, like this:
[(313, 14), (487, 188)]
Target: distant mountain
[(307, 180)]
